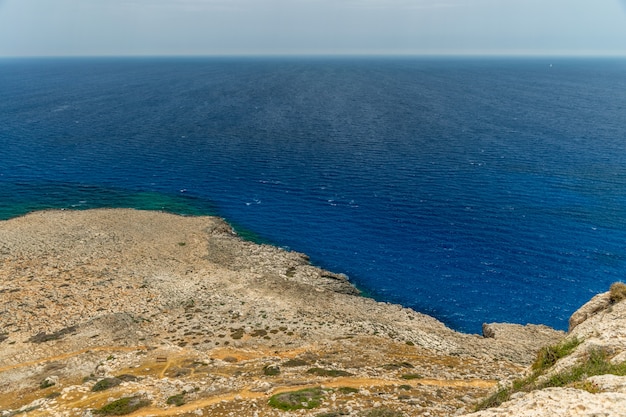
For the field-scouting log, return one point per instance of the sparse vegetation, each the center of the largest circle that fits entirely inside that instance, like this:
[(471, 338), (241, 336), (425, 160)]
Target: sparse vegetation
[(328, 372), (392, 366), (348, 390), (46, 383), (295, 362), (381, 412), (617, 292), (337, 413), (271, 370), (105, 384), (237, 333), (177, 400), (411, 376), (596, 363), (549, 355), (259, 333), (46, 337), (123, 406), (297, 400)]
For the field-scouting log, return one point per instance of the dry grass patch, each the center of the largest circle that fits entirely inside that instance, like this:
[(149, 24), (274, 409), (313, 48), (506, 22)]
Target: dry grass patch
[(617, 292)]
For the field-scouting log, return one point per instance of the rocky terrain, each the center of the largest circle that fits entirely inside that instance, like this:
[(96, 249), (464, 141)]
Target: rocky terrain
[(584, 374), (111, 312)]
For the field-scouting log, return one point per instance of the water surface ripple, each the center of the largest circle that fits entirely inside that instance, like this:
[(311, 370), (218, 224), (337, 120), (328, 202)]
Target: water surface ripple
[(472, 190)]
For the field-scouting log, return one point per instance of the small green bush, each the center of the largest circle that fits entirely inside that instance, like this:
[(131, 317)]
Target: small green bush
[(549, 355), (46, 383), (127, 378), (177, 400), (617, 292), (597, 363), (411, 376), (123, 406), (237, 333), (295, 362), (105, 384), (348, 390), (297, 400), (271, 370)]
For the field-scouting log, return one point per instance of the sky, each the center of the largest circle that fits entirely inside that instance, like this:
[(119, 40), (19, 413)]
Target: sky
[(311, 27)]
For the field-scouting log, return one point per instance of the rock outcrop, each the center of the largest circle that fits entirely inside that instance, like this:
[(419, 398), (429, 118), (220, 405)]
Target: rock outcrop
[(589, 380)]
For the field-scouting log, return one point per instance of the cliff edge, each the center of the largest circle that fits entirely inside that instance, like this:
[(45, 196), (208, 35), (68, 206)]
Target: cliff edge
[(582, 375), (126, 312)]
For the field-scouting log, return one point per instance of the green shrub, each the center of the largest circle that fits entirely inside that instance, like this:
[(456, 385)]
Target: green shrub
[(177, 400), (237, 333), (411, 376), (328, 372), (127, 378), (597, 363), (123, 406), (549, 355), (46, 383), (271, 370), (296, 400), (295, 362), (105, 384), (45, 337), (500, 396), (617, 292), (395, 365), (348, 390)]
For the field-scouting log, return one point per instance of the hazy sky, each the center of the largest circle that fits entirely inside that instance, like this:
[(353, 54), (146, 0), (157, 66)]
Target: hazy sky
[(209, 27)]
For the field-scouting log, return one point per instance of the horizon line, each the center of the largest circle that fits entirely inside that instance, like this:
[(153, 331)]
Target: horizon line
[(476, 54)]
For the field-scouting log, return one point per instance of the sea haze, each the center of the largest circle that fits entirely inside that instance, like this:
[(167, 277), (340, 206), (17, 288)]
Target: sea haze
[(474, 190)]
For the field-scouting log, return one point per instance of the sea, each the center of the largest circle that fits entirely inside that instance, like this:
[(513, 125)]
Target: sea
[(470, 189)]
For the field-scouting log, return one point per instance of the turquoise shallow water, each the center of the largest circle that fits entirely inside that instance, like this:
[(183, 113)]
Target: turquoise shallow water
[(472, 190)]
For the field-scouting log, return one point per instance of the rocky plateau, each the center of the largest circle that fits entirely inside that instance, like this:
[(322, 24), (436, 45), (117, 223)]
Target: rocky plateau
[(143, 313)]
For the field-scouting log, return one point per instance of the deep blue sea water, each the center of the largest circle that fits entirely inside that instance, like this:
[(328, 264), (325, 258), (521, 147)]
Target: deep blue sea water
[(474, 190)]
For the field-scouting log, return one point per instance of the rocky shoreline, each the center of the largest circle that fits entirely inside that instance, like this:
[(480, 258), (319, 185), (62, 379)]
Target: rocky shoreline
[(179, 316)]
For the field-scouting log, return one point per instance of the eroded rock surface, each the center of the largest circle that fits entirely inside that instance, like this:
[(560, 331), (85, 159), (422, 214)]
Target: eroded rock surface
[(599, 327)]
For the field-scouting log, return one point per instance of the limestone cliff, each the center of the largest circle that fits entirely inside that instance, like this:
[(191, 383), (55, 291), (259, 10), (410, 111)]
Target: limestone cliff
[(583, 375), (106, 312)]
